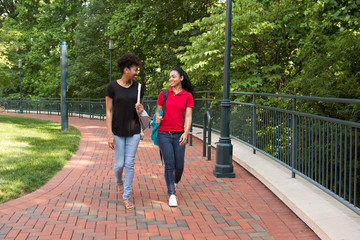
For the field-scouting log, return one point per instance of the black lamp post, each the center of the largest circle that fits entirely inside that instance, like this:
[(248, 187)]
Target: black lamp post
[(223, 166), (21, 105), (111, 42)]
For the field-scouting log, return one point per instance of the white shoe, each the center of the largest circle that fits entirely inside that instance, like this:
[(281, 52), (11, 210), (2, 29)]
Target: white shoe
[(173, 201)]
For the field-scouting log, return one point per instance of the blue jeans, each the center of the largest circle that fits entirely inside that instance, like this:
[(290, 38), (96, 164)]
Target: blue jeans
[(173, 155), (124, 155)]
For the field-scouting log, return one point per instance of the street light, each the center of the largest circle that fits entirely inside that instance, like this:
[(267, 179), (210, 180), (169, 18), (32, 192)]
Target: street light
[(223, 166), (111, 42), (21, 106)]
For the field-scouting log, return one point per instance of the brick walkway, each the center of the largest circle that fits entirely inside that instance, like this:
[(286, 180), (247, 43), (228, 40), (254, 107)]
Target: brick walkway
[(81, 202)]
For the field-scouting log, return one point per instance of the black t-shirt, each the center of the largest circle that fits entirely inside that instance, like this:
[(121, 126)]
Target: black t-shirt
[(125, 122)]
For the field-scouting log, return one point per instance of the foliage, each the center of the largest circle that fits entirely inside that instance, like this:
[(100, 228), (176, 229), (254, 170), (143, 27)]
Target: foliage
[(147, 29), (34, 35), (90, 70), (264, 35), (330, 56), (284, 46), (32, 152)]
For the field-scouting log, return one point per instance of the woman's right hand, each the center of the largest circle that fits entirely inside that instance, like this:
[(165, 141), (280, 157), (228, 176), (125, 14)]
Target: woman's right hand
[(158, 119), (111, 142)]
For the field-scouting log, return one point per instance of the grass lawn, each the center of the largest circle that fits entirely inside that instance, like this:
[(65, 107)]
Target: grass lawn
[(32, 151)]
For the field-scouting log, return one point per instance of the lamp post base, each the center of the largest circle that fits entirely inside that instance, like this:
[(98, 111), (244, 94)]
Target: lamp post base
[(223, 166)]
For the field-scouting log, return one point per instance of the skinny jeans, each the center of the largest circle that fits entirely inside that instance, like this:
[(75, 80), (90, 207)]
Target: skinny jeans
[(173, 155), (124, 156)]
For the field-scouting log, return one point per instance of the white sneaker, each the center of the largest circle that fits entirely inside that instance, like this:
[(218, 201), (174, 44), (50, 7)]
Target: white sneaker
[(173, 201)]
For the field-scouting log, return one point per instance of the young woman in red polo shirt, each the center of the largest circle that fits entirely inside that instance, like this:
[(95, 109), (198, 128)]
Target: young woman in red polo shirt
[(175, 128)]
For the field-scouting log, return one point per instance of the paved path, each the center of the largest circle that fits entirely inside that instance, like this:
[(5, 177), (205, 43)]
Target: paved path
[(81, 202)]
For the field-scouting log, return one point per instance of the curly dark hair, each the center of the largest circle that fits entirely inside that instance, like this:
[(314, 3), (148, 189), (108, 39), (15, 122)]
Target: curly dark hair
[(185, 83), (127, 60)]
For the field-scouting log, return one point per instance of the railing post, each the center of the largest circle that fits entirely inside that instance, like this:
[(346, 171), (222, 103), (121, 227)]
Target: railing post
[(209, 135), (89, 107), (191, 128), (293, 139), (254, 124), (205, 126), (204, 134), (18, 106), (102, 116), (206, 102), (92, 111)]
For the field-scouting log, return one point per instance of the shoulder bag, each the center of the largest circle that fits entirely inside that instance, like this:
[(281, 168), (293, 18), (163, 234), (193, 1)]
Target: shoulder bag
[(155, 126)]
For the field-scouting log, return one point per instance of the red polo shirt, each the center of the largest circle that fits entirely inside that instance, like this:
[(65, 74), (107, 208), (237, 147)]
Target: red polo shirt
[(175, 109)]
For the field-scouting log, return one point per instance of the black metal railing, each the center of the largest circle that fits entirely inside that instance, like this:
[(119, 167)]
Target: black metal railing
[(321, 149), (91, 108), (324, 150)]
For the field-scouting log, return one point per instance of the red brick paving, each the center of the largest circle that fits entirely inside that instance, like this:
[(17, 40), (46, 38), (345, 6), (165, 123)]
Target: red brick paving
[(81, 202)]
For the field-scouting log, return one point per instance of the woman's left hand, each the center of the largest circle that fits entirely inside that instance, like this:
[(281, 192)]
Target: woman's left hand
[(183, 139), (139, 108)]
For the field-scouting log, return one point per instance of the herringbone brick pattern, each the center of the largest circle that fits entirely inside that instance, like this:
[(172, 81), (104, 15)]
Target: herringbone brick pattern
[(81, 202)]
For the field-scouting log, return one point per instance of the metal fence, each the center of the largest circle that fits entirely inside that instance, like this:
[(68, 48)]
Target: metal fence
[(323, 150), (90, 108)]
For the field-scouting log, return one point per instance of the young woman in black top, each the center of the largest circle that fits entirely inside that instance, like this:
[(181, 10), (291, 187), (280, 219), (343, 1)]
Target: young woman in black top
[(122, 122)]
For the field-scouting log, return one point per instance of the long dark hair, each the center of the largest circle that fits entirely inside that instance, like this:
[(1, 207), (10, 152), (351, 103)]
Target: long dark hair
[(185, 83)]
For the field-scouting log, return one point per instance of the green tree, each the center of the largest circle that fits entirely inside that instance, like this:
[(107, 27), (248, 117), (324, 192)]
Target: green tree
[(34, 33), (56, 23), (7, 7), (330, 56), (147, 29), (90, 69), (295, 47), (12, 43), (264, 36)]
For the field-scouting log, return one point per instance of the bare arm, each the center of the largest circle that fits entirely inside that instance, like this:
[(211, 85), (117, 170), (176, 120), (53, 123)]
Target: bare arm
[(109, 117), (158, 118), (188, 120)]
